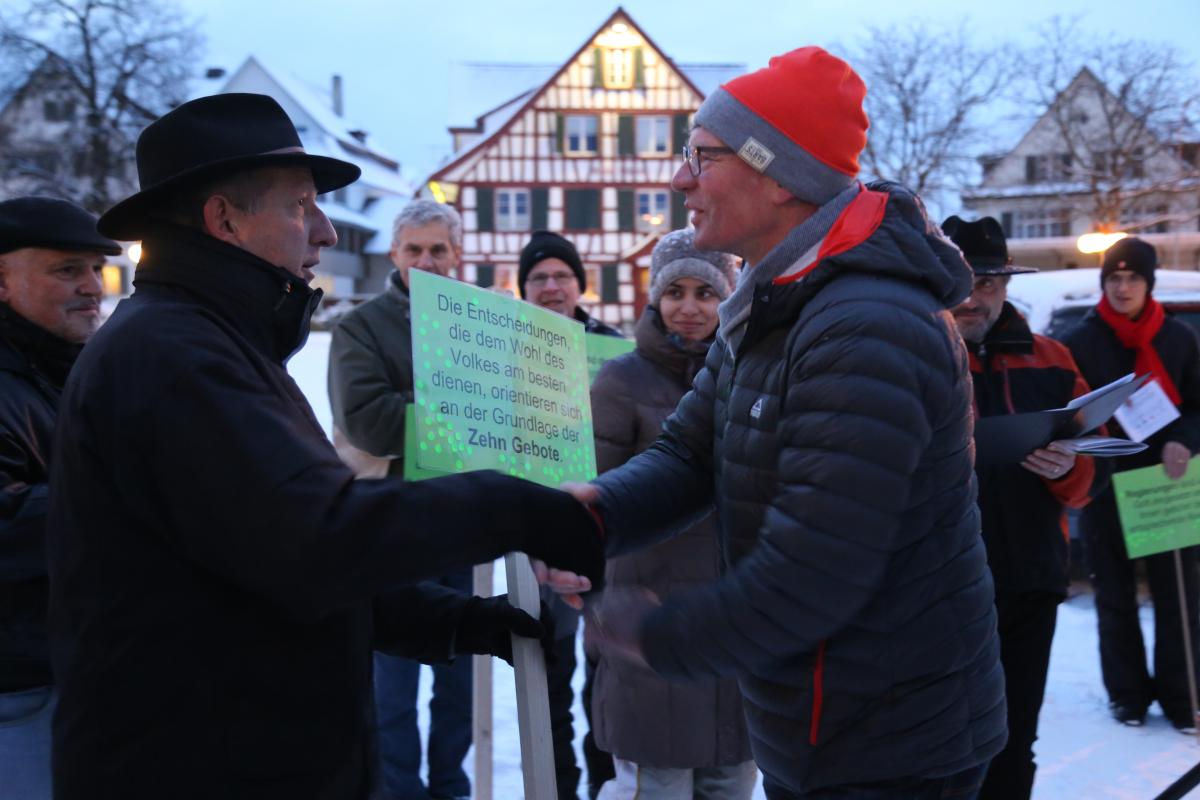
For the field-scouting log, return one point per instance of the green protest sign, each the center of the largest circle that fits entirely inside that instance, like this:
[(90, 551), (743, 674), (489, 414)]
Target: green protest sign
[(602, 348), (412, 470), (1157, 513), (500, 384)]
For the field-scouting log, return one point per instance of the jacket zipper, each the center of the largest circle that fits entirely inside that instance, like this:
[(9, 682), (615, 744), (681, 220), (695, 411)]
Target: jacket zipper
[(818, 693)]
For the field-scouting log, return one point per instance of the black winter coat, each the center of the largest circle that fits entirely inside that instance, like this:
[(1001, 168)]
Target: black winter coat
[(637, 715), (218, 579), (33, 367), (1024, 525), (857, 610), (1102, 359)]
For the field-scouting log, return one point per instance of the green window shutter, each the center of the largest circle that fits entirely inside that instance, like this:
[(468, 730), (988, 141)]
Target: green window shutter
[(485, 275), (539, 209), (583, 209), (678, 211), (679, 130), (610, 284), (625, 144), (560, 133), (625, 209), (485, 209), (597, 68), (639, 68)]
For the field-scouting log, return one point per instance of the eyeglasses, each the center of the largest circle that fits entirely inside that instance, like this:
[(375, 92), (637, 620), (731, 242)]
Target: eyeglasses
[(692, 156), (559, 278)]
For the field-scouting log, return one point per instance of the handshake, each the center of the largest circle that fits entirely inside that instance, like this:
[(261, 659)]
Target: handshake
[(565, 539)]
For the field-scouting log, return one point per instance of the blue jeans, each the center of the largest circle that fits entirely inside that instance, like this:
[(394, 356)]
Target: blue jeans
[(25, 743), (449, 722), (960, 786)]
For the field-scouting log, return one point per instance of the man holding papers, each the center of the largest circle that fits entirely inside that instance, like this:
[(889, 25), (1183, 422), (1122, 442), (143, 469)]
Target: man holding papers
[(1021, 503), (1129, 332)]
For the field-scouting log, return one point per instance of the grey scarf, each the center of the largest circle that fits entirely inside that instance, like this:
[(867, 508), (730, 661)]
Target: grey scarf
[(735, 311)]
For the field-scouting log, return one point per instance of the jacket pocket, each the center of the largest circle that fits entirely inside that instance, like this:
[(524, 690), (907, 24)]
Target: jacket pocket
[(818, 693)]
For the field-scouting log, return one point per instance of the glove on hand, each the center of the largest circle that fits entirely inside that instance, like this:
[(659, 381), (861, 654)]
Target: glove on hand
[(564, 533), (489, 623)]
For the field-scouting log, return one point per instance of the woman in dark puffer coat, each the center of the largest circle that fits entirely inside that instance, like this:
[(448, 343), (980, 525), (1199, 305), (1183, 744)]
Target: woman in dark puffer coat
[(670, 741)]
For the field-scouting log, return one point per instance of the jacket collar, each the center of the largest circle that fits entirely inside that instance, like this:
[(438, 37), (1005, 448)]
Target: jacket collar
[(268, 304), (27, 348), (1009, 334), (674, 354)]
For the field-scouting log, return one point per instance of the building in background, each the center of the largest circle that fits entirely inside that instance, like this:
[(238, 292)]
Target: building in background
[(585, 148), (362, 212), (1093, 163)]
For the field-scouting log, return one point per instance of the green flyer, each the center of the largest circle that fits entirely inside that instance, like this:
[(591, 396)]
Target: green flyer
[(1157, 513), (602, 348), (500, 384), (412, 471)]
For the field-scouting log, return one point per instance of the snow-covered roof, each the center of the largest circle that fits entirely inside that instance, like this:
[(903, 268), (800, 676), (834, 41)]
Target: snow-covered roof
[(1054, 189), (382, 214), (316, 102)]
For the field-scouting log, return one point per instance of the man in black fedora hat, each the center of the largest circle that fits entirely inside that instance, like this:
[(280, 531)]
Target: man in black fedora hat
[(50, 287), (218, 577), (1021, 504)]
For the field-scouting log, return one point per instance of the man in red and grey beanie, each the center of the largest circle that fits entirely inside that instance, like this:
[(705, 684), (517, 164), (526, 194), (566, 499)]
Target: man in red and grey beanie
[(830, 429)]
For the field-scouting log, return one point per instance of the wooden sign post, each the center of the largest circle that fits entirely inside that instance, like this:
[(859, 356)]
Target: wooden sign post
[(533, 700), (481, 700)]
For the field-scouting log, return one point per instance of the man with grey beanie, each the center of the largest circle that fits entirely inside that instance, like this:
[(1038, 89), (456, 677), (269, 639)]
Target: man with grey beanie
[(830, 429)]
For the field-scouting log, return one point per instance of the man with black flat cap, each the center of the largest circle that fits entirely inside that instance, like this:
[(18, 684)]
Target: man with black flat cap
[(50, 288), (1021, 505), (218, 577)]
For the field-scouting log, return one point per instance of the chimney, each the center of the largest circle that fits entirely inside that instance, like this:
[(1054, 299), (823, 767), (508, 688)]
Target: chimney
[(337, 95)]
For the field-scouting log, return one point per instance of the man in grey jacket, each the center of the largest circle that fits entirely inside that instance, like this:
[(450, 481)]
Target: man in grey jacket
[(370, 386), (831, 430)]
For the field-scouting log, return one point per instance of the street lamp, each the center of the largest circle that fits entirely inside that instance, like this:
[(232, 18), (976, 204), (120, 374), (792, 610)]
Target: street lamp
[(1098, 242)]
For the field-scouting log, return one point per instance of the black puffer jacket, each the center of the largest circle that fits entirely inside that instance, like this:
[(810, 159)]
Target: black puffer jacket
[(857, 609), (33, 367), (1102, 359)]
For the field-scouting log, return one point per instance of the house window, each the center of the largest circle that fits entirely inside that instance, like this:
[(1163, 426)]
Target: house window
[(618, 68), (653, 207), (654, 136), (58, 110), (1044, 168), (512, 209), (1041, 223), (581, 134)]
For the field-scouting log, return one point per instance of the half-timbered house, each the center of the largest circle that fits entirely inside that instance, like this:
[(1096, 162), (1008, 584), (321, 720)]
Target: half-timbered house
[(587, 152)]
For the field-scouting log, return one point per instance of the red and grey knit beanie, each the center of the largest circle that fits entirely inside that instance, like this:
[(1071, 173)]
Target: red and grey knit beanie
[(799, 120)]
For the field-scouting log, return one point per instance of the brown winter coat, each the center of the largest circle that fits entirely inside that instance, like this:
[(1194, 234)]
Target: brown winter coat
[(638, 716)]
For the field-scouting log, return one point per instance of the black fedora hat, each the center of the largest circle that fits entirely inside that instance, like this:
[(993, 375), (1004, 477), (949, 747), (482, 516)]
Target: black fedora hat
[(209, 136), (983, 246)]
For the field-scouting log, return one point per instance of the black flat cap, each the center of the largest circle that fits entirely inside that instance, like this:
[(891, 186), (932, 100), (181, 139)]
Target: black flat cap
[(210, 136), (52, 224), (983, 246)]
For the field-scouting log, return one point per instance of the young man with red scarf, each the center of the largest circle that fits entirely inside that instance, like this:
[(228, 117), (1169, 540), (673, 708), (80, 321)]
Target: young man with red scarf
[(1129, 332)]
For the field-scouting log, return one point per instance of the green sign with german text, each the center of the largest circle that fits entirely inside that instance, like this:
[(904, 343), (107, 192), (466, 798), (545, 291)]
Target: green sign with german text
[(499, 383), (412, 470), (602, 348), (1158, 514)]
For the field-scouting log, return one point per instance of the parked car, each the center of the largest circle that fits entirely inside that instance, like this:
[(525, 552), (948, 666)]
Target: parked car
[(1054, 302)]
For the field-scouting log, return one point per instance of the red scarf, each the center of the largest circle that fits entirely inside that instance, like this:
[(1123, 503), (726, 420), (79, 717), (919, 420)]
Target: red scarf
[(1137, 334)]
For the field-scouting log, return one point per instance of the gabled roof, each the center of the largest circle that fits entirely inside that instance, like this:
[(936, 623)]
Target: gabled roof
[(518, 95), (317, 103)]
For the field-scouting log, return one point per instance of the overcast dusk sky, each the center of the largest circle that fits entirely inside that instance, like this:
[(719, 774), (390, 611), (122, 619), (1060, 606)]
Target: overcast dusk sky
[(395, 57)]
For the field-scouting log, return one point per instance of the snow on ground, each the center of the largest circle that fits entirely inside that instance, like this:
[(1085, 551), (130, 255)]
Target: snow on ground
[(1082, 752)]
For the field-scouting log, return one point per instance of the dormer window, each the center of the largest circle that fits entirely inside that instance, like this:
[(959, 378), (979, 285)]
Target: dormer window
[(617, 54)]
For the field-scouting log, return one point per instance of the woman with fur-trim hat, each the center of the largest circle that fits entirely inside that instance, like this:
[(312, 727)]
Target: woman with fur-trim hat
[(668, 740)]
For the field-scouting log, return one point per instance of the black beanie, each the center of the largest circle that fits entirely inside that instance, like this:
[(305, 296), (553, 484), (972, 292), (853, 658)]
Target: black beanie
[(1132, 254), (543, 245)]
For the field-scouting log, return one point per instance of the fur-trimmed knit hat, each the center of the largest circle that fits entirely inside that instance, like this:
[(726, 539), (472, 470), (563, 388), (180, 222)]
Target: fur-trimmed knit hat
[(675, 256), (799, 120), (547, 244), (1134, 254)]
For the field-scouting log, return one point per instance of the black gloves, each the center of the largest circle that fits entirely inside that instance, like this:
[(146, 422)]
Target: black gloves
[(562, 532), (488, 624)]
